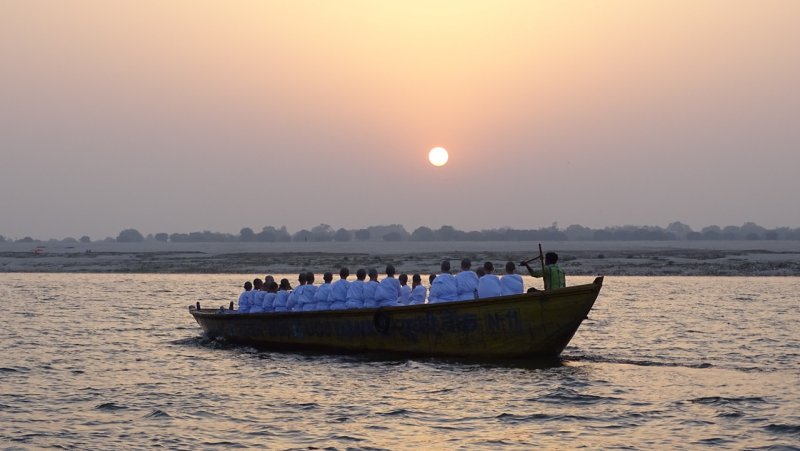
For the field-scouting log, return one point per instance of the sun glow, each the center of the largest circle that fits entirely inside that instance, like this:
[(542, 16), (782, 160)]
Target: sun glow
[(438, 156)]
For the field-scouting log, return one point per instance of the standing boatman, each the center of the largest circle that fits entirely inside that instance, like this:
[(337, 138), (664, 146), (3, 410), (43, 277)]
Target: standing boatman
[(552, 274)]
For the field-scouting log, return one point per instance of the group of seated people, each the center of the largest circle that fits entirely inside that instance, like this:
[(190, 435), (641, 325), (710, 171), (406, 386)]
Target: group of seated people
[(270, 296)]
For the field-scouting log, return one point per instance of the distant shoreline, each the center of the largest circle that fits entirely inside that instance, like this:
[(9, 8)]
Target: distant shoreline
[(636, 258)]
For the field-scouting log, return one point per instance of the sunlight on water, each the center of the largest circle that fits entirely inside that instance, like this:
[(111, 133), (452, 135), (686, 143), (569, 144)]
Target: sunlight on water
[(116, 361)]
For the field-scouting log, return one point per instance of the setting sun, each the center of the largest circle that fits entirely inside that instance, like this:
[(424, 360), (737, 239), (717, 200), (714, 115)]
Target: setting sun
[(438, 156)]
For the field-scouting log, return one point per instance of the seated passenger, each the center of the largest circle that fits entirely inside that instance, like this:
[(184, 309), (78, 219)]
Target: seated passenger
[(324, 290), (269, 297), (369, 289), (246, 298), (405, 290), (295, 301), (309, 303), (553, 275), (466, 282), (489, 284), (280, 304), (388, 290), (258, 296), (511, 283), (443, 288), (338, 295), (355, 292), (418, 291)]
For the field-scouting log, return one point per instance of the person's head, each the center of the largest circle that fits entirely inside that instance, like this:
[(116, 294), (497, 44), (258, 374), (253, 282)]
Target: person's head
[(373, 274), (480, 272), (248, 286), (272, 287), (302, 278), (445, 266), (416, 279), (344, 272), (550, 258), (431, 278), (390, 270), (488, 267), (285, 285), (257, 283), (268, 279), (403, 278), (510, 267), (361, 274), (327, 277), (466, 264), (310, 278)]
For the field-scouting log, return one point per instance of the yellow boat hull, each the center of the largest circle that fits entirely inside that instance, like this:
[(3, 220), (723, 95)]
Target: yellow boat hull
[(538, 324)]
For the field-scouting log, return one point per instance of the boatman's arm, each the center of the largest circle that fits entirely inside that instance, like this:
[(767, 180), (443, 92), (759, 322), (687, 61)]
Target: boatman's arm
[(531, 271)]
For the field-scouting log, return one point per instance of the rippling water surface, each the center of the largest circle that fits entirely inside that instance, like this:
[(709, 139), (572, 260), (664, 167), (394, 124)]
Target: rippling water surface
[(116, 361)]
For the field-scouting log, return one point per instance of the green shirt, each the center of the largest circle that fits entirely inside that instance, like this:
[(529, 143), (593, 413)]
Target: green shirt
[(553, 276)]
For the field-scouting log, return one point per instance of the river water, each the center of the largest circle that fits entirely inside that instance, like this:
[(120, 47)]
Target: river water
[(116, 361)]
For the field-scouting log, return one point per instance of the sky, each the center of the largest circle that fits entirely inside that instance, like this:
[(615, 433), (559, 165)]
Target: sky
[(179, 116)]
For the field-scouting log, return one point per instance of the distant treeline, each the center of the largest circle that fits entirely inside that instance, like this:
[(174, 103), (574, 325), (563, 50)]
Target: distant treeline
[(396, 232)]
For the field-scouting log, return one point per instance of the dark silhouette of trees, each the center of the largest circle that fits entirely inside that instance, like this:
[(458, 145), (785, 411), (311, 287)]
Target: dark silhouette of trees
[(130, 236), (343, 235), (85, 239), (163, 237), (247, 234), (423, 234), (362, 234)]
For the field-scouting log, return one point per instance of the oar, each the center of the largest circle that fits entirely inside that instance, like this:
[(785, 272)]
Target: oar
[(541, 259)]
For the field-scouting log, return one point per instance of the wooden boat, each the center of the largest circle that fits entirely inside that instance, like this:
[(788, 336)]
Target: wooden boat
[(537, 324)]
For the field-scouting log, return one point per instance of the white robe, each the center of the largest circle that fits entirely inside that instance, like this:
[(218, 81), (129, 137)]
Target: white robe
[(489, 286), (369, 293), (268, 304), (321, 296), (280, 304), (405, 293), (245, 302), (338, 295), (258, 301), (511, 284), (417, 295), (294, 303), (467, 285), (443, 288), (387, 292), (355, 294), (309, 303)]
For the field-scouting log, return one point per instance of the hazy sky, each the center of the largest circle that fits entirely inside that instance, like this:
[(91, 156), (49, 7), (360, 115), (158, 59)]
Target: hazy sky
[(182, 116)]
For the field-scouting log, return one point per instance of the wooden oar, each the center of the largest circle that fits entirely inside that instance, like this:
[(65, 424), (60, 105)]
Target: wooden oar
[(541, 259)]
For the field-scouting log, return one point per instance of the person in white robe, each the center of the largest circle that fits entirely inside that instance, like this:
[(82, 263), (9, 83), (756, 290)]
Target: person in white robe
[(308, 302), (268, 304), (246, 298), (443, 288), (405, 290), (355, 291), (323, 292), (489, 284), (295, 302), (388, 290), (338, 297), (280, 304), (466, 282), (418, 291), (258, 296), (369, 289), (511, 283)]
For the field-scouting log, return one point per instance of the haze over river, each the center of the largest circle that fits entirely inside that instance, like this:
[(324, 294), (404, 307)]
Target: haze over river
[(116, 361)]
